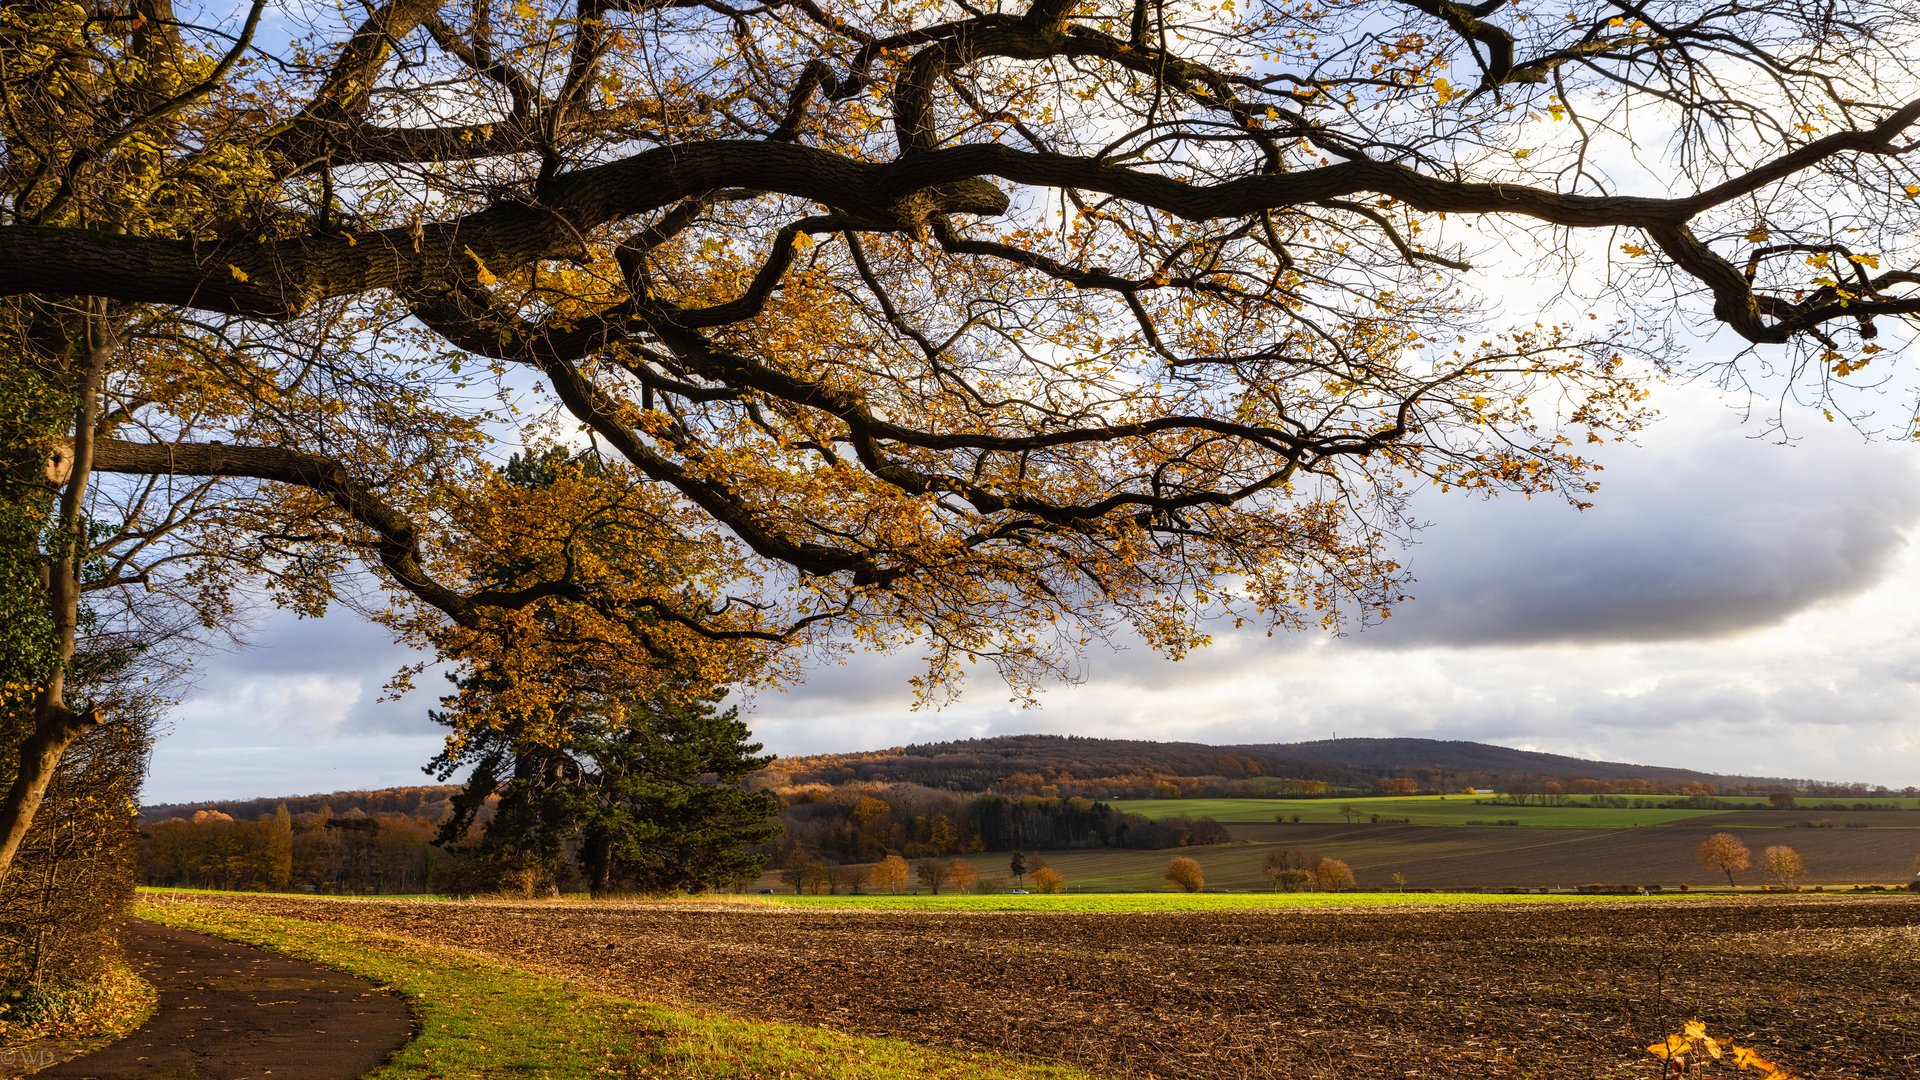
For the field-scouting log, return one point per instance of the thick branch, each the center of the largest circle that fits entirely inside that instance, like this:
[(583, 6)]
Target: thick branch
[(283, 277), (398, 543)]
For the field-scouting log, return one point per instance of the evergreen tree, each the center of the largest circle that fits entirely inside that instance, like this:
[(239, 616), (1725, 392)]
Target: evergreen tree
[(653, 803), (637, 782)]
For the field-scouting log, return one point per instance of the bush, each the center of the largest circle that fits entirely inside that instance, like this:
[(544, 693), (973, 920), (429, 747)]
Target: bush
[(72, 884), (1332, 875), (1185, 874)]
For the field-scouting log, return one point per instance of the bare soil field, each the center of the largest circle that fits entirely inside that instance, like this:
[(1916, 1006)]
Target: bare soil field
[(1437, 857), (1829, 987)]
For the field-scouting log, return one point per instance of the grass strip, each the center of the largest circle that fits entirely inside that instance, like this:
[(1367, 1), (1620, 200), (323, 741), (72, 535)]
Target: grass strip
[(1134, 902), (479, 1018)]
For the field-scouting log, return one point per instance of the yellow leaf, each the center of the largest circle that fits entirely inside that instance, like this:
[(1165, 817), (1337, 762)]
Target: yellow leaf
[(1634, 250), (1673, 1047), (1913, 191), (481, 274), (1758, 234), (1443, 89), (1871, 262), (238, 274), (802, 242), (1522, 155)]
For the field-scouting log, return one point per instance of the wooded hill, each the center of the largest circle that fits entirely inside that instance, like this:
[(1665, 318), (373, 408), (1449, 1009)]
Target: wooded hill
[(1115, 768), (1133, 768), (428, 803), (1028, 792)]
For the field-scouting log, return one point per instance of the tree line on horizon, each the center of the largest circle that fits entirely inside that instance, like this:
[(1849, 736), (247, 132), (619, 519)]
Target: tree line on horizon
[(348, 850)]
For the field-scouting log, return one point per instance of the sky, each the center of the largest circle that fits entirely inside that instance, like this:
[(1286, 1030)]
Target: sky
[(1731, 603)]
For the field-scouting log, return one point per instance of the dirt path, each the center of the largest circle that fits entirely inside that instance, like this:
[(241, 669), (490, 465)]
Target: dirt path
[(230, 1012)]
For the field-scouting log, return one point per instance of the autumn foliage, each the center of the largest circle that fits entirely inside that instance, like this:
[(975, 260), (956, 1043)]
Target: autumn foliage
[(991, 331), (1185, 874), (1784, 865), (1724, 852), (985, 332), (1692, 1050), (889, 874)]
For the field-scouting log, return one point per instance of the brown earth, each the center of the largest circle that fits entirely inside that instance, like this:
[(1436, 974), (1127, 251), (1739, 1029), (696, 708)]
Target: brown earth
[(1440, 857), (1826, 986), (230, 1012), (1806, 817)]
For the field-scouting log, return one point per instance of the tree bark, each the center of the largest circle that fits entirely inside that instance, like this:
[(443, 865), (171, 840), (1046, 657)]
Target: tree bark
[(596, 851)]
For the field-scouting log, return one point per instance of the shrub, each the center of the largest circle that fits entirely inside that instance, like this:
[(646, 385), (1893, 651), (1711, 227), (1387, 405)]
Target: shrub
[(1185, 874), (1332, 875)]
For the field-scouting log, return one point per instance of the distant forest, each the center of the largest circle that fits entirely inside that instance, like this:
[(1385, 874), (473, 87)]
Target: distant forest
[(1016, 793)]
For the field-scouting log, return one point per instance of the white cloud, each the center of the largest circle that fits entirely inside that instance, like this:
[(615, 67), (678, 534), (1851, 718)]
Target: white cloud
[(1729, 605)]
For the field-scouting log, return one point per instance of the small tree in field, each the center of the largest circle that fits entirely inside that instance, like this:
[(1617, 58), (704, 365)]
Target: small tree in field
[(934, 873), (801, 871), (961, 875), (889, 874), (1048, 880), (1724, 852), (1784, 865), (1185, 873), (1017, 866), (1332, 875), (848, 876), (1286, 868)]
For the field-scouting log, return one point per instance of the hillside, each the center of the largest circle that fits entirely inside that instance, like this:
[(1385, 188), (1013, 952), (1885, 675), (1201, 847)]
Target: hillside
[(1397, 756), (978, 764), (427, 803), (1114, 768), (1090, 766)]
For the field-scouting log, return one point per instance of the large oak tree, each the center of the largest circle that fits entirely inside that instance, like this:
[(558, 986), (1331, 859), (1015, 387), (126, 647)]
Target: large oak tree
[(987, 327)]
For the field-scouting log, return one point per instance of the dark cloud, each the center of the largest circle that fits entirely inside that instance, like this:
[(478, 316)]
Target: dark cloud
[(1612, 633), (1689, 538)]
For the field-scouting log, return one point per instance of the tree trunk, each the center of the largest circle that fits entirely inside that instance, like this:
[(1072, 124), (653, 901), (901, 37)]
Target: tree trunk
[(596, 852), (40, 757), (55, 726)]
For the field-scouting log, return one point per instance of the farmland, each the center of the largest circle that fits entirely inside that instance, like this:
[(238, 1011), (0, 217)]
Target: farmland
[(1824, 985), (1454, 810), (1431, 857)]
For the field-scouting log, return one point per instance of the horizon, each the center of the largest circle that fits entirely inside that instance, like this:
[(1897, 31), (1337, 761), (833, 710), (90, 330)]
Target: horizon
[(431, 783), (1729, 604)]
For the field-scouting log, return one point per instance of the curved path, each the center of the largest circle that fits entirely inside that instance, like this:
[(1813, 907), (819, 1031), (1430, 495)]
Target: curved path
[(232, 1012)]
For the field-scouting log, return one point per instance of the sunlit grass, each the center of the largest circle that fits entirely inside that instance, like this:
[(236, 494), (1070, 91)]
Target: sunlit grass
[(480, 1018), (1454, 810), (1121, 902)]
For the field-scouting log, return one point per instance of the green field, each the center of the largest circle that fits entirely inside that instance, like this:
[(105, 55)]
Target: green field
[(1458, 810), (1130, 902), (1810, 803)]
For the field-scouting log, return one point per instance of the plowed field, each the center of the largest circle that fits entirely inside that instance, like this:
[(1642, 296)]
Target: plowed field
[(1828, 987)]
